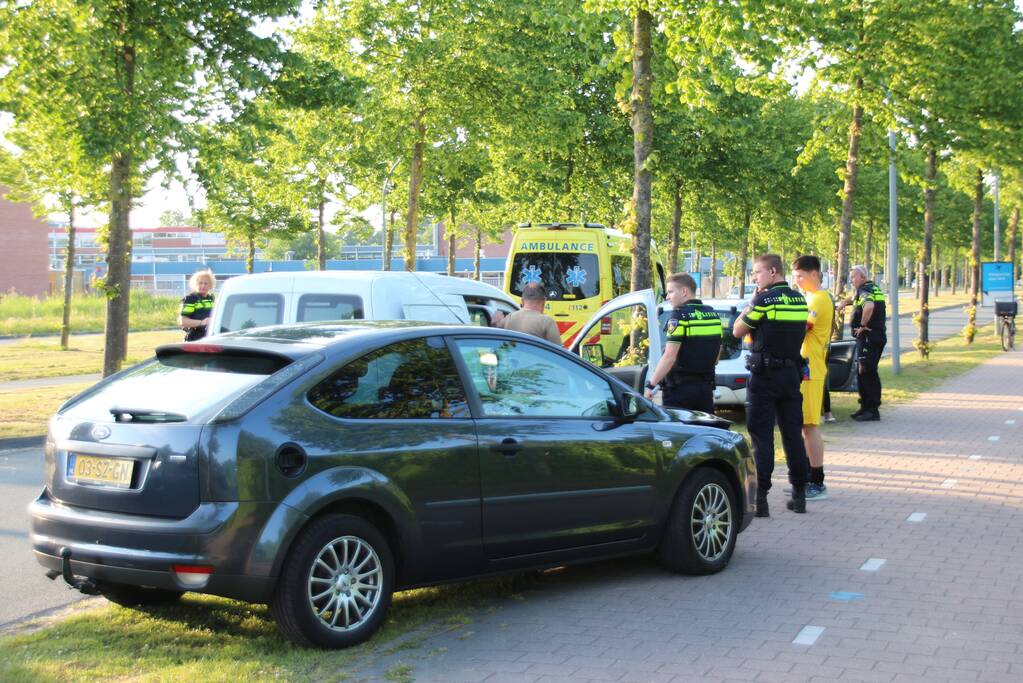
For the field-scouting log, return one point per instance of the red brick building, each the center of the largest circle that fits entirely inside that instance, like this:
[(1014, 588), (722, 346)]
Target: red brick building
[(24, 265)]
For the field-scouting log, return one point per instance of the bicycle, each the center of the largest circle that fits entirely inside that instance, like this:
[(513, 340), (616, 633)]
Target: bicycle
[(1005, 313)]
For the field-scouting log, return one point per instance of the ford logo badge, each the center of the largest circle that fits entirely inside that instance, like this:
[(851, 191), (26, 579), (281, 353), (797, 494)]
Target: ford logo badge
[(100, 432)]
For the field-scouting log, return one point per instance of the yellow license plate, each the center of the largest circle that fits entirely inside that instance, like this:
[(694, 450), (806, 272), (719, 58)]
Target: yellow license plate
[(109, 471)]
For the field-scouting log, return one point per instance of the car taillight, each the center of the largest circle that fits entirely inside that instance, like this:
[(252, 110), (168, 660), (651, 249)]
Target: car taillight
[(605, 325)]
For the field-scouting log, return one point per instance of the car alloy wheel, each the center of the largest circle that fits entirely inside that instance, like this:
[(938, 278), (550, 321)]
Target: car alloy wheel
[(336, 583), (344, 583), (711, 522), (699, 537)]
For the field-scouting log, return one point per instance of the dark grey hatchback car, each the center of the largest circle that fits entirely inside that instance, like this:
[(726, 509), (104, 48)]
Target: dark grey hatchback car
[(318, 468)]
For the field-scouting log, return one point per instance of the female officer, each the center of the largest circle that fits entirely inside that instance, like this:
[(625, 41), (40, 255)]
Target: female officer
[(197, 305)]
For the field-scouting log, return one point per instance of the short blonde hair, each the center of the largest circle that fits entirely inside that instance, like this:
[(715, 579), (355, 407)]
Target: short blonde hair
[(193, 282)]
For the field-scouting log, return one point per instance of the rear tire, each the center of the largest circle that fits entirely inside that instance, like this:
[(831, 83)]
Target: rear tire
[(335, 587), (699, 537), (1008, 332), (137, 596)]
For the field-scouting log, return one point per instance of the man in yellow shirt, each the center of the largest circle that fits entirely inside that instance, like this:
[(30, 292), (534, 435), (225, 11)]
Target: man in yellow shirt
[(806, 273)]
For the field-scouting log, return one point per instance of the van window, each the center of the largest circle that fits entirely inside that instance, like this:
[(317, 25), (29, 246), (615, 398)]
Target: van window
[(243, 311), (315, 307), (564, 276)]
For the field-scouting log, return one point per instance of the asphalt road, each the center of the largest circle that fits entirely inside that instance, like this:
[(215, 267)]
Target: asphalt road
[(25, 590), (946, 322)]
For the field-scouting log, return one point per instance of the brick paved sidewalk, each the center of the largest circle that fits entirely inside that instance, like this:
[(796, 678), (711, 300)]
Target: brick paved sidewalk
[(944, 601)]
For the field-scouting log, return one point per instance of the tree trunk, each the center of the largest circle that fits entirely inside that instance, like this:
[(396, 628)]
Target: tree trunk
[(925, 262), (954, 268), (321, 237), (936, 270), (119, 245), (642, 145), (849, 190), (250, 255), (978, 206), (69, 270), (676, 227), (477, 256), (1013, 236), (451, 247), (868, 246), (414, 183), (713, 269), (747, 239)]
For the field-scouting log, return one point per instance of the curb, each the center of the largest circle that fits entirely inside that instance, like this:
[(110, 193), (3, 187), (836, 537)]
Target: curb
[(22, 442)]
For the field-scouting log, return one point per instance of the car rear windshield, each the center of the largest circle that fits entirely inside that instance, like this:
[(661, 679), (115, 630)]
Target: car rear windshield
[(565, 277), (182, 387)]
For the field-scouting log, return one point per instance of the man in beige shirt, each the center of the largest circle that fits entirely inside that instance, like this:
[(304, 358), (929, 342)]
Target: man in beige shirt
[(530, 319)]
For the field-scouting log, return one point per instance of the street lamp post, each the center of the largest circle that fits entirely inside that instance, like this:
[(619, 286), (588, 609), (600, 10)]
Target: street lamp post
[(998, 229), (893, 250)]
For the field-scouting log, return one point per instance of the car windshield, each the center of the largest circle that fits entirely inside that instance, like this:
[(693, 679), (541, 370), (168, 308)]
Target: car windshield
[(565, 277), (188, 385), (730, 346)]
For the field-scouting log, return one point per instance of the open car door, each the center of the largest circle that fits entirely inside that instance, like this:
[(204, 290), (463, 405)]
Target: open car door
[(618, 339), (842, 365)]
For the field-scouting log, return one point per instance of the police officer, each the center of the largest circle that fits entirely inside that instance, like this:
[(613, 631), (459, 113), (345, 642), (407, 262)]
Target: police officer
[(776, 319), (868, 327), (197, 305), (686, 370)]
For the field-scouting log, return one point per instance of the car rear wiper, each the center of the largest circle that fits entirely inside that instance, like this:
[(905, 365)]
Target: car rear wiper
[(145, 415)]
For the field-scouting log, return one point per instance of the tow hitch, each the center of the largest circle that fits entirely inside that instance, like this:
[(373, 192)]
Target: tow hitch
[(84, 585)]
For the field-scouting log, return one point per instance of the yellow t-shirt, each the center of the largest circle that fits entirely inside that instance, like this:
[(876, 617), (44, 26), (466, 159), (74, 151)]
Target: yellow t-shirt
[(818, 333)]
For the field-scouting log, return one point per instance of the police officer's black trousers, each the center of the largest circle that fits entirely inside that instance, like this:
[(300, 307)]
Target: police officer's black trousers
[(868, 355), (773, 397), (690, 395)]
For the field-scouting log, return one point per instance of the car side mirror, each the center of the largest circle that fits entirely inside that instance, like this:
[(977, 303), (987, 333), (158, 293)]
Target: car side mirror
[(630, 406), (594, 354)]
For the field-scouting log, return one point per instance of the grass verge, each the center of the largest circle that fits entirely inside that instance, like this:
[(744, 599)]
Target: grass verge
[(25, 412), (211, 639), (40, 358), (27, 315)]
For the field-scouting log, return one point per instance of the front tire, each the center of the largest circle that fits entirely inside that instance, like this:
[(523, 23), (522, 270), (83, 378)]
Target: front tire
[(335, 587), (699, 537), (1008, 332)]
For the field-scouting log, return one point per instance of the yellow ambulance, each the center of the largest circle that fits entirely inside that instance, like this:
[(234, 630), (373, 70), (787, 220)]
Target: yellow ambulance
[(581, 266)]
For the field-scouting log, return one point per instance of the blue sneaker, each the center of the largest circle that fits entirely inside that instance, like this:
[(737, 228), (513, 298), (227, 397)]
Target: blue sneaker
[(816, 492)]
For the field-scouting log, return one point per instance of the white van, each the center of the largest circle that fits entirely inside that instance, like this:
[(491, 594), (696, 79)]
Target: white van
[(273, 298)]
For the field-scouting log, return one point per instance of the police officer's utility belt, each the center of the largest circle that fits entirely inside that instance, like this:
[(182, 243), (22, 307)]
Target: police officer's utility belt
[(680, 378), (758, 362)]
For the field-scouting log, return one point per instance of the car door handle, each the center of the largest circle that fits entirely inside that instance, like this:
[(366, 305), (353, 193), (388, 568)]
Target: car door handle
[(507, 446)]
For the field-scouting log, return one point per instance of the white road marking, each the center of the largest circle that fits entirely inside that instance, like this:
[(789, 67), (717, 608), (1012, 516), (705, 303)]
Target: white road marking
[(993, 438), (1010, 422), (917, 517), (809, 635), (948, 483), (974, 457), (873, 564)]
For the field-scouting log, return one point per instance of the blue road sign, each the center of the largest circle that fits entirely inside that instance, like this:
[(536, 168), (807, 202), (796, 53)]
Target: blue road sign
[(996, 282)]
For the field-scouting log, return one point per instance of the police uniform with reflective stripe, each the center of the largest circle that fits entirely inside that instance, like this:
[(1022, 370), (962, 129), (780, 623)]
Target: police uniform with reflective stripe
[(777, 318), (196, 307), (690, 382), (869, 345)]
